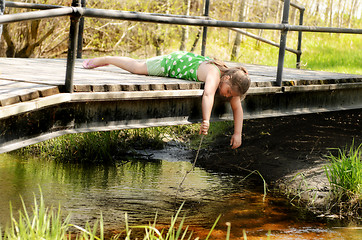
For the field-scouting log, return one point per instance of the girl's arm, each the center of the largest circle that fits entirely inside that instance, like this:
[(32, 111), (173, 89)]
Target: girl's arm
[(211, 84), (235, 103)]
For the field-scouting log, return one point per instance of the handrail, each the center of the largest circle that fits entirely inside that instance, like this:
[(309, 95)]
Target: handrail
[(147, 17), (76, 12), (179, 20), (264, 40), (50, 13)]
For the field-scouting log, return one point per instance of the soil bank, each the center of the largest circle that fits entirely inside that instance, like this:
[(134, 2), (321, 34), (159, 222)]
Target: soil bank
[(289, 152)]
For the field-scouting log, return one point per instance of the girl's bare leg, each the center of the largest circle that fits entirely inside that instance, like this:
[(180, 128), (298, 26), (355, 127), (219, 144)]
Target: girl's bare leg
[(126, 63)]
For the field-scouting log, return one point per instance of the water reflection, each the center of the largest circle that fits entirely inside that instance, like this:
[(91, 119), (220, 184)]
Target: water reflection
[(142, 188), (139, 188)]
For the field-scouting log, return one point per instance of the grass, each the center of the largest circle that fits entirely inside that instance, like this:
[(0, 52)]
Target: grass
[(49, 224), (98, 146), (102, 147), (333, 52), (345, 177), (320, 51), (44, 223)]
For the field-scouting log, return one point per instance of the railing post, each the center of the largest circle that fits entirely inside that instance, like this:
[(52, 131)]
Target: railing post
[(80, 33), (72, 48), (2, 9), (204, 34), (283, 42), (299, 49)]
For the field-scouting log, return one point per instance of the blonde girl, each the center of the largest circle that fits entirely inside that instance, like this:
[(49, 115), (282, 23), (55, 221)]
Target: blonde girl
[(231, 83)]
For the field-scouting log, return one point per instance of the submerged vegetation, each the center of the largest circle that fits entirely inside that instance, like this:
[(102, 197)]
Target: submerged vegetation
[(345, 176)]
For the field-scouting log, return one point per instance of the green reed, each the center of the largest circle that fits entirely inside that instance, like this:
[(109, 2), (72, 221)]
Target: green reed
[(49, 224), (345, 176), (97, 146), (103, 147), (44, 223)]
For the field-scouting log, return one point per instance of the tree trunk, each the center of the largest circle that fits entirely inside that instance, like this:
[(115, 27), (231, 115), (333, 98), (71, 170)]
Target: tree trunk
[(263, 20), (10, 50), (342, 12), (236, 46), (331, 14), (316, 13), (278, 20), (2, 9), (353, 9), (185, 29), (231, 19)]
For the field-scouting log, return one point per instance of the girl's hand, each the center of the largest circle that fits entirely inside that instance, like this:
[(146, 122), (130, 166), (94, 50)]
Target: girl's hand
[(235, 141), (204, 127)]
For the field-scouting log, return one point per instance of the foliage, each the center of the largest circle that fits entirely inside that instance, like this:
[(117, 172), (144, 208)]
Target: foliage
[(37, 38), (48, 37), (97, 146), (345, 176), (110, 146), (45, 223)]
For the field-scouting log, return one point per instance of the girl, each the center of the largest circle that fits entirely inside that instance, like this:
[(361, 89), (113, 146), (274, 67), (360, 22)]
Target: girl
[(231, 83)]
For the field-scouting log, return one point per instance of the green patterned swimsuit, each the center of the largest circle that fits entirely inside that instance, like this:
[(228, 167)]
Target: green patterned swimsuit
[(179, 64)]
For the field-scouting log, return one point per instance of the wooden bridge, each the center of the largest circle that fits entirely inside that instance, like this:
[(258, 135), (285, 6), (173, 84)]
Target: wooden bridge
[(34, 105)]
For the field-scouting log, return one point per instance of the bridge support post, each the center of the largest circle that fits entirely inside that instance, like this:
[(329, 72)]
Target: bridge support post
[(72, 48), (300, 34), (204, 34), (80, 33), (283, 42)]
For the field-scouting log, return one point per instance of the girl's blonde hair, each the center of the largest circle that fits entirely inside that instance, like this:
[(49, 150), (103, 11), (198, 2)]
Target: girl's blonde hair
[(239, 77)]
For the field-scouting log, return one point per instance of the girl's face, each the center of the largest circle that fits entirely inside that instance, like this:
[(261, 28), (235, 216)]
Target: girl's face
[(225, 89)]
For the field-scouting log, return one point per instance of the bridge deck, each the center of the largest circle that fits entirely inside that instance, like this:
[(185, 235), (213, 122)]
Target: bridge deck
[(23, 80)]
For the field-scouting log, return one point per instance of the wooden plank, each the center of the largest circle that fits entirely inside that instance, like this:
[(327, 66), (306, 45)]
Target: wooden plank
[(48, 91), (129, 87), (98, 88), (82, 88), (157, 87), (29, 95), (112, 88), (8, 99)]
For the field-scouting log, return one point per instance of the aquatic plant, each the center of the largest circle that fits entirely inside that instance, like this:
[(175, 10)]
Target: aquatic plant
[(48, 223), (44, 223), (101, 147), (96, 146), (345, 177)]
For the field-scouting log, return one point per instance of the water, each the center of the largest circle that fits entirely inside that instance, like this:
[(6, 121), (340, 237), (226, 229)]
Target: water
[(142, 188)]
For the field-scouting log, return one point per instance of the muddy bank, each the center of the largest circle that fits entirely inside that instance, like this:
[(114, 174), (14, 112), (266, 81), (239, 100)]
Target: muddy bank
[(289, 152)]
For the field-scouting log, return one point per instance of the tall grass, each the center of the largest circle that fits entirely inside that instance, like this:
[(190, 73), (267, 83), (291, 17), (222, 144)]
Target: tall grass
[(49, 224), (345, 176), (44, 223), (97, 146), (320, 51), (110, 146)]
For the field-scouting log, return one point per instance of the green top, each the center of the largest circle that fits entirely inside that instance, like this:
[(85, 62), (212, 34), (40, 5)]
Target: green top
[(182, 65)]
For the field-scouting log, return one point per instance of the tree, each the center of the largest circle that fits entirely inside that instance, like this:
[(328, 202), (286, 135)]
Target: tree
[(2, 8), (237, 42), (264, 17), (31, 40), (185, 29)]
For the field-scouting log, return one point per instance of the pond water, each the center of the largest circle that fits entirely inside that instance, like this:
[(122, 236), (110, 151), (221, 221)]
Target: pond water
[(143, 188)]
